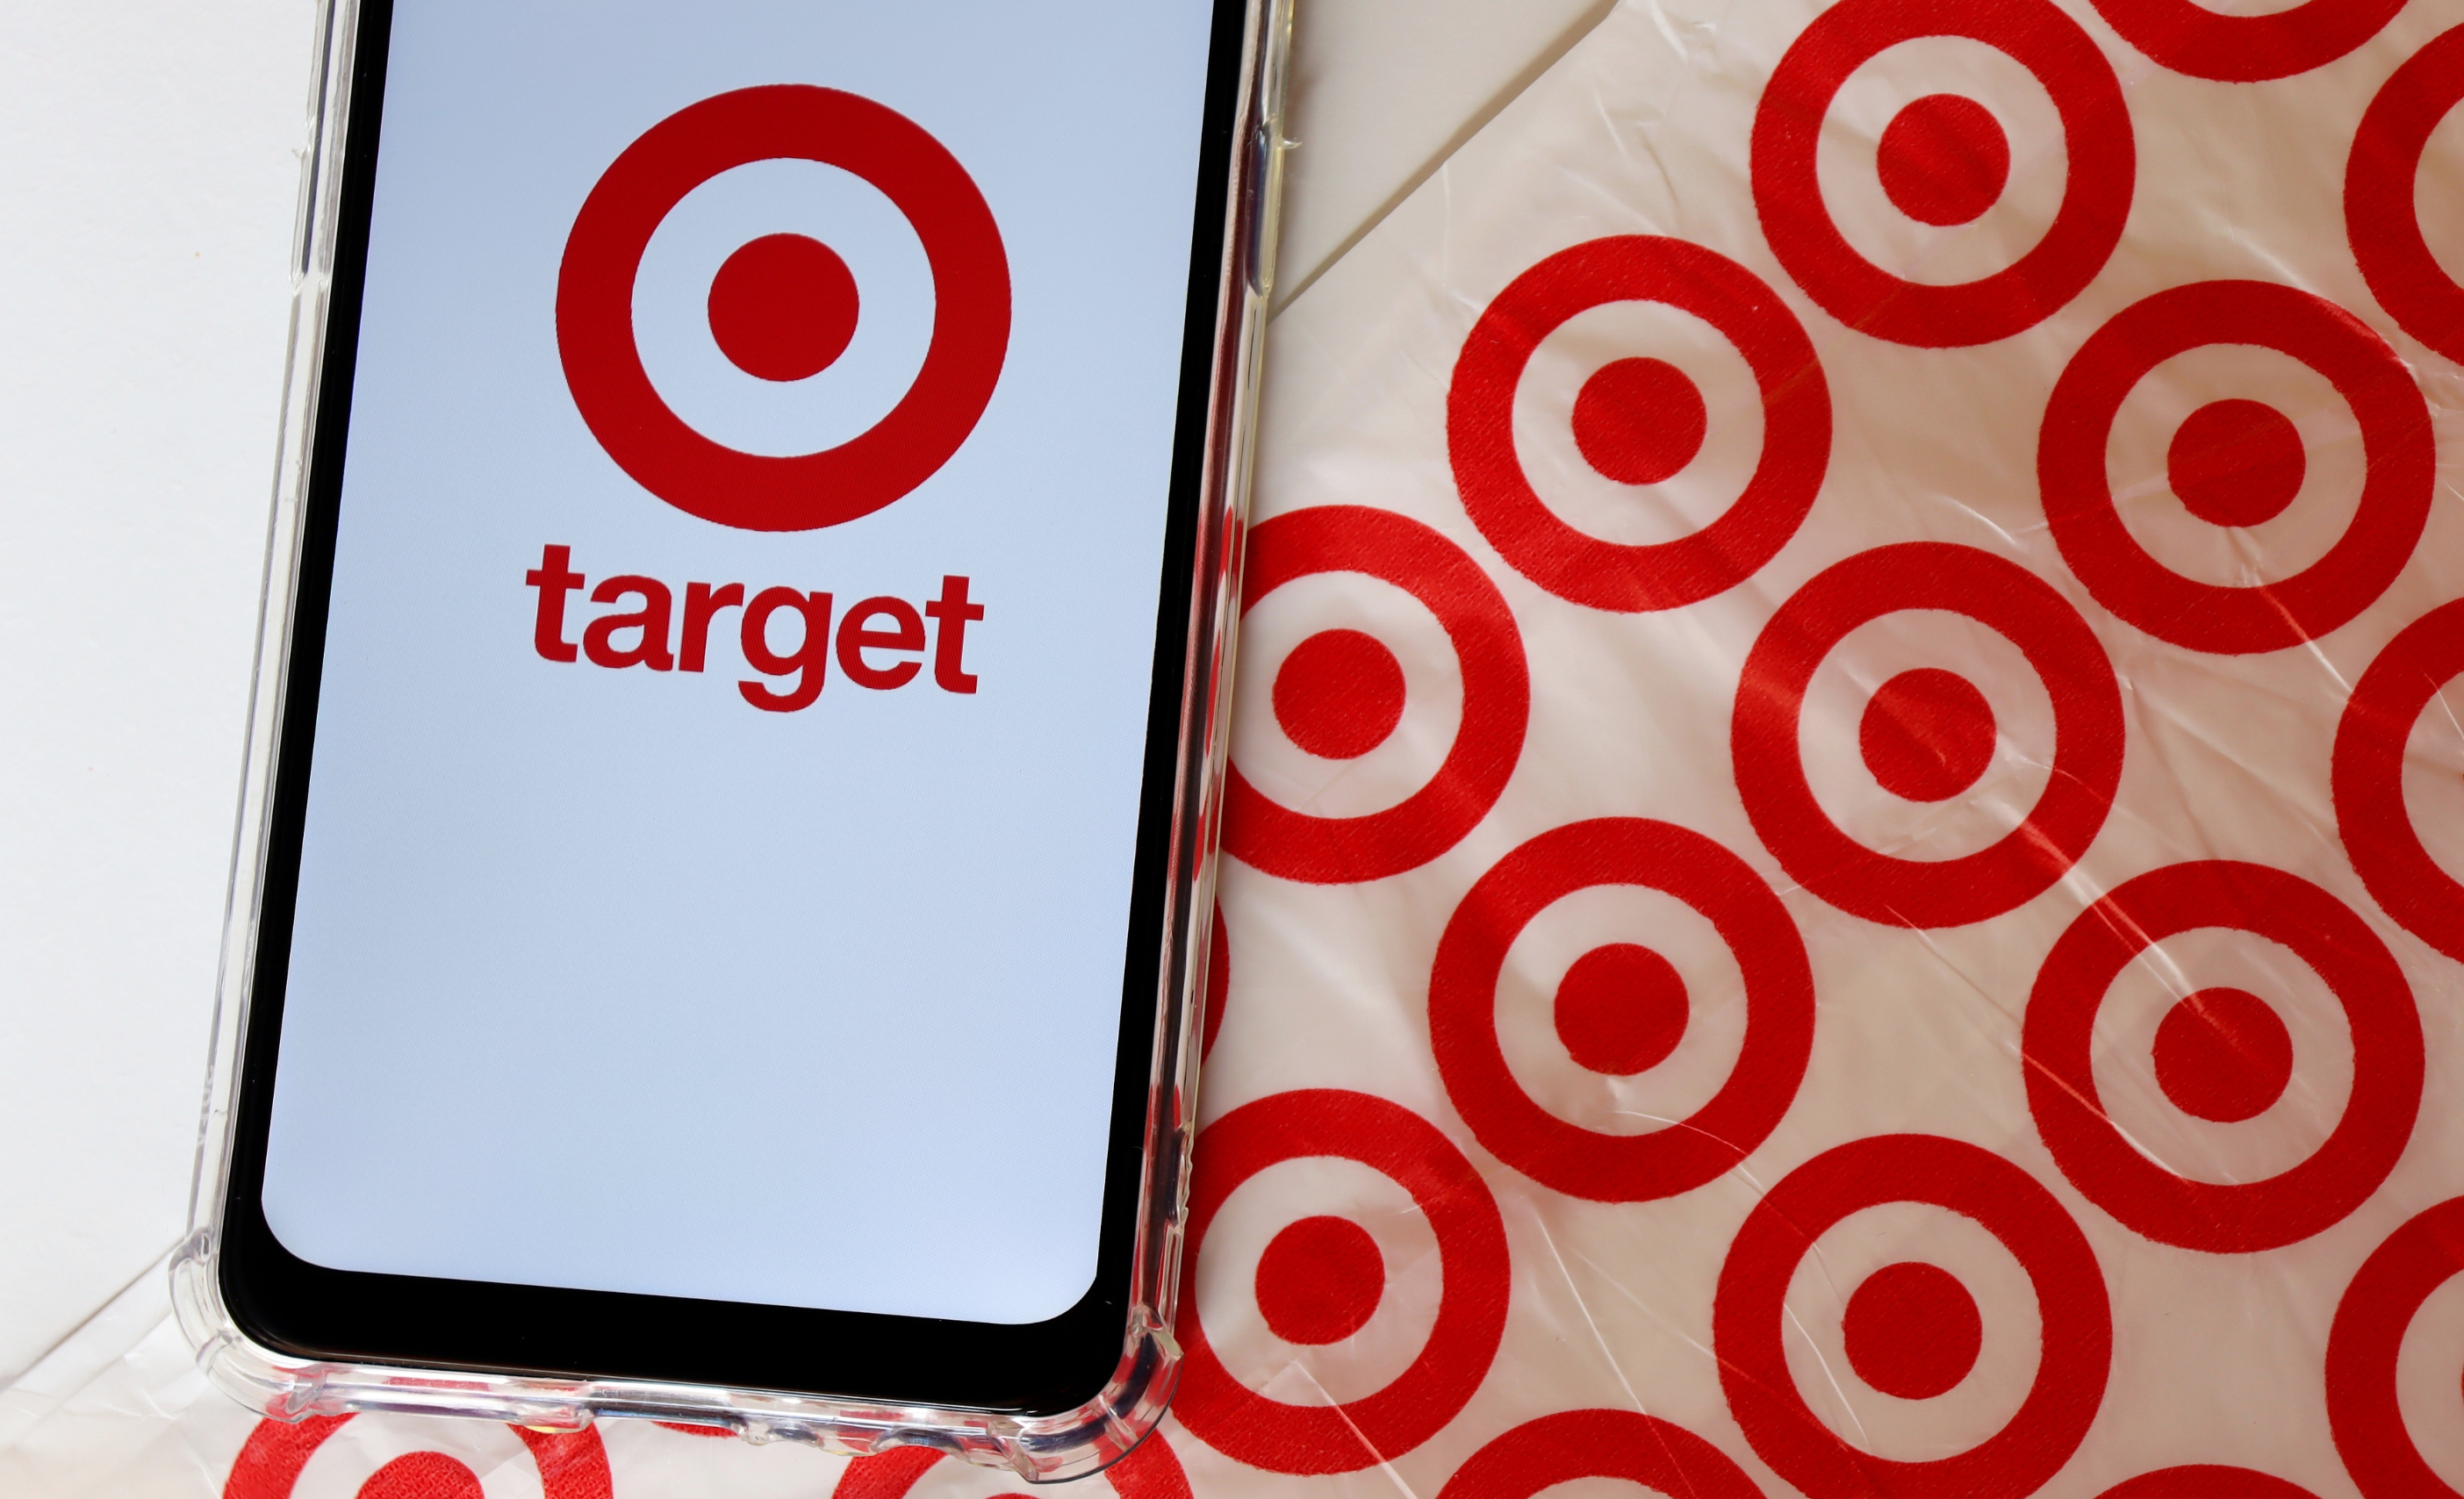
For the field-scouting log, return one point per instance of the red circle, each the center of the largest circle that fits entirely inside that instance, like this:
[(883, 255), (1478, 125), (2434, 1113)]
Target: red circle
[(2382, 218), (1620, 1010), (423, 1475), (1912, 1331), (2396, 446), (2363, 1345), (1151, 1470), (2206, 1481), (572, 1464), (1599, 1444), (2095, 201), (971, 312), (1320, 1281), (1340, 695), (1779, 1010), (2056, 1041), (2188, 37), (2004, 598), (1582, 568), (2235, 463), (1944, 160), (1496, 700), (784, 307), (1474, 1271), (1926, 734), (2224, 1055), (1639, 421), (1750, 1308), (2368, 779)]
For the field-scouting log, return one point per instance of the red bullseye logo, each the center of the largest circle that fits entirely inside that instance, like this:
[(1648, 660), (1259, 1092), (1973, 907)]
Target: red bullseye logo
[(1927, 735), (2192, 38), (1909, 1324), (2237, 463), (2380, 839), (1944, 160), (784, 308), (2381, 215), (1340, 695), (1638, 421), (2365, 1343), (1659, 1455), (1322, 1278), (2222, 1054), (1621, 1009), (571, 1465)]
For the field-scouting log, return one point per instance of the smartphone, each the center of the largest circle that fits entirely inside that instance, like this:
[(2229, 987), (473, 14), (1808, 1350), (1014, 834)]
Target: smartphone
[(723, 895)]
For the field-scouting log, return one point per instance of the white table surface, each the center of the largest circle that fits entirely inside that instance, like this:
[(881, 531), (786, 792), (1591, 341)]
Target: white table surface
[(149, 170)]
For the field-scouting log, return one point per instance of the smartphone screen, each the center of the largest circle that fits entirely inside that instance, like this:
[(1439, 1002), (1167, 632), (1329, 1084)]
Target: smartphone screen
[(720, 760)]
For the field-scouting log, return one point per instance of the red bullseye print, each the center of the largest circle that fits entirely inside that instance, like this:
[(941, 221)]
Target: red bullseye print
[(2396, 444), (1564, 1156), (2380, 839), (2004, 598), (2190, 37), (1913, 1331), (778, 312), (1152, 1470), (1944, 160), (1943, 164), (572, 1464), (1320, 1281), (1749, 1315), (1388, 1138), (1621, 1009), (2058, 1040), (2206, 1481), (1496, 703), (2382, 218), (2235, 463), (1638, 421), (2363, 1346), (1340, 695), (2223, 1055), (1927, 735), (1541, 1454), (784, 307)]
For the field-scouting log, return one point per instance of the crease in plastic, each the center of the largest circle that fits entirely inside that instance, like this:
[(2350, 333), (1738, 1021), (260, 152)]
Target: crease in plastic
[(1039, 1450)]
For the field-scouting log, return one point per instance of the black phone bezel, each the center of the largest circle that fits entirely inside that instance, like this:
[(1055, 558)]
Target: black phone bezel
[(299, 1310)]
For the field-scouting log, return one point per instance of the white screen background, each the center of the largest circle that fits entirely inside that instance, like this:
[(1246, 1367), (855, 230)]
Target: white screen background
[(603, 979)]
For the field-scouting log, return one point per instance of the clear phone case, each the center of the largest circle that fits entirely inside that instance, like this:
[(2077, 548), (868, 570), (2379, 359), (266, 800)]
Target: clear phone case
[(1040, 1449)]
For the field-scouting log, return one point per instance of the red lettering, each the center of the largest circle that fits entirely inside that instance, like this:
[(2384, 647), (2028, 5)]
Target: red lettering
[(650, 619), (554, 578), (811, 659), (701, 602), (950, 642), (855, 639)]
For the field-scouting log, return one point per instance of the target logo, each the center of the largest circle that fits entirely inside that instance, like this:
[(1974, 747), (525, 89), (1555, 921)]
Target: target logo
[(2390, 752), (2393, 1357), (784, 309), (392, 1457), (2017, 1331), (2382, 180), (1571, 1445)]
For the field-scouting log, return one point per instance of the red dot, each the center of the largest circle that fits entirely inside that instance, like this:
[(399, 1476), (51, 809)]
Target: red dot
[(1926, 734), (1638, 421), (2223, 1054), (1621, 1009), (1339, 694), (2235, 463), (1320, 1281), (1912, 1331), (784, 307), (423, 1475), (1944, 160)]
